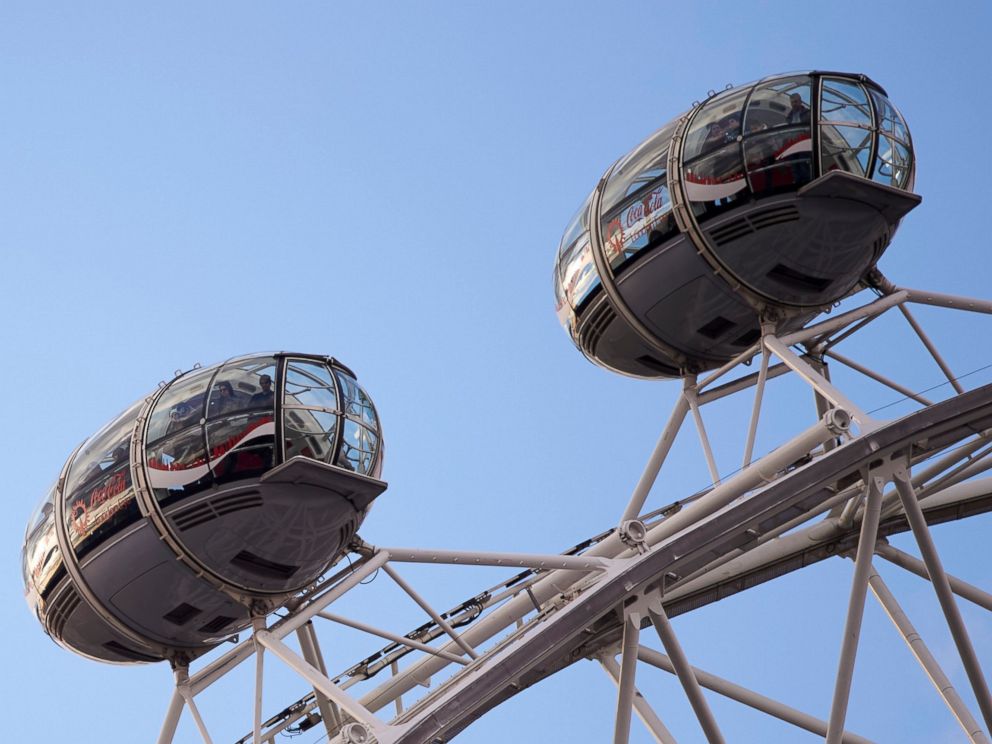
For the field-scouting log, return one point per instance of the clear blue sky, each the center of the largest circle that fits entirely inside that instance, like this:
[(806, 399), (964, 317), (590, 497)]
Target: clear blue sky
[(182, 182)]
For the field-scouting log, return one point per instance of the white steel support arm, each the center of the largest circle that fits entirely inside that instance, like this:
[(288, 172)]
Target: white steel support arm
[(871, 310), (954, 302), (644, 711), (919, 649), (311, 654), (704, 440), (914, 565), (759, 392), (823, 386), (172, 715), (761, 471), (657, 459), (628, 673), (685, 674), (855, 610), (344, 701), (258, 624), (749, 698), (503, 560), (931, 348), (394, 637), (434, 615), (942, 587)]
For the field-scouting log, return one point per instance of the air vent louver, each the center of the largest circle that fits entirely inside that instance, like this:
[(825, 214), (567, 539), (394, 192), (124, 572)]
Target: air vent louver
[(731, 231), (182, 614), (206, 511), (260, 566), (217, 624)]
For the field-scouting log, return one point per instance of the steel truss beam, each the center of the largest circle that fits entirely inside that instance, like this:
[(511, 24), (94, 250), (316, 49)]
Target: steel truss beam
[(714, 544)]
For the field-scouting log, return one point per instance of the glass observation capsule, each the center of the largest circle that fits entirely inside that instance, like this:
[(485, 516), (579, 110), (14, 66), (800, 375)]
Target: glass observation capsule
[(764, 203), (228, 490)]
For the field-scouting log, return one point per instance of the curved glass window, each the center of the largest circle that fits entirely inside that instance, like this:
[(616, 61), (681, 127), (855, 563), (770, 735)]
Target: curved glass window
[(642, 168), (717, 177), (894, 154), (310, 410), (716, 124), (575, 270), (579, 276), (713, 171), (175, 445), (845, 127), (359, 441), (357, 404), (99, 499), (643, 223), (180, 406), (893, 163), (576, 226), (241, 419), (890, 122), (40, 557), (561, 307), (844, 102), (357, 448), (777, 136)]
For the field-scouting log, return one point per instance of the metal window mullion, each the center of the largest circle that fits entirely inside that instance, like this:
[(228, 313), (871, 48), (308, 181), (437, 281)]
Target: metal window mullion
[(279, 404), (875, 131), (743, 139), (203, 419)]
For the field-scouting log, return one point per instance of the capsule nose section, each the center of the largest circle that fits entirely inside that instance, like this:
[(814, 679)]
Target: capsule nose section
[(892, 203), (357, 489)]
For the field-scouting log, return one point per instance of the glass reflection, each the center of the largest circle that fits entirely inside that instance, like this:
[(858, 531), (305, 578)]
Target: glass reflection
[(310, 384), (716, 124), (181, 405), (844, 101), (40, 557), (643, 223), (357, 448), (311, 410), (889, 120), (99, 499), (579, 271), (177, 465), (241, 419), (643, 167), (357, 403), (845, 148), (309, 433), (892, 164)]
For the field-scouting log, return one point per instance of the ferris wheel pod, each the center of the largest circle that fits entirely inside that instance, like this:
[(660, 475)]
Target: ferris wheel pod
[(773, 201), (232, 487)]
